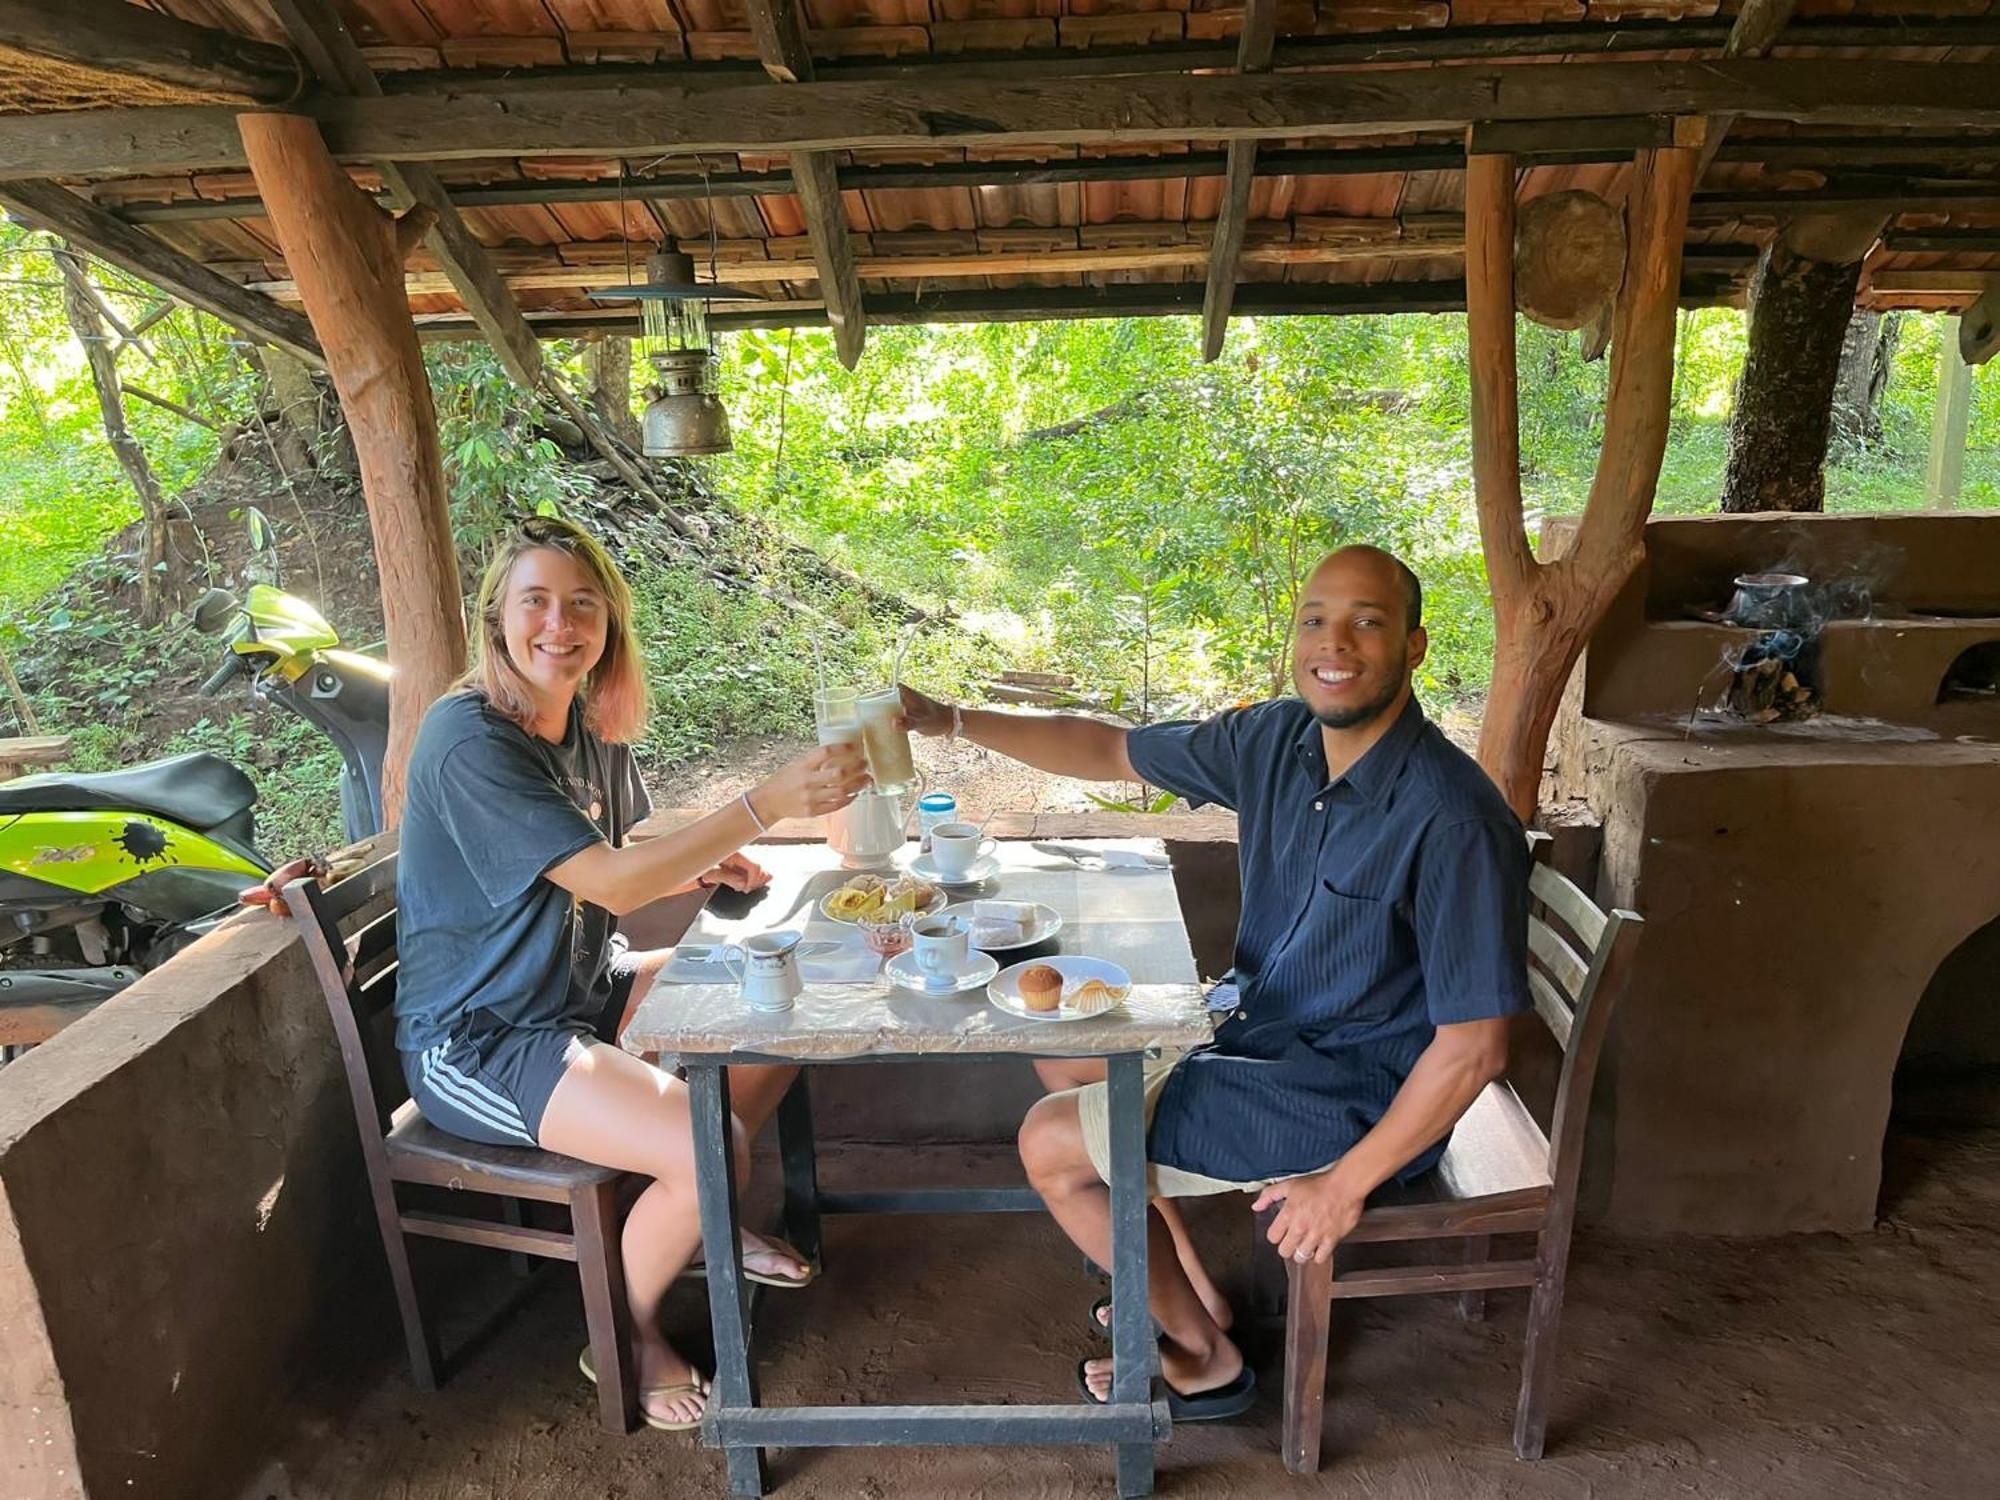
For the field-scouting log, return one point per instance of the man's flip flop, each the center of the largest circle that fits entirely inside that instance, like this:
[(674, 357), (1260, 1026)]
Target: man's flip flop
[(1230, 1400), (695, 1387)]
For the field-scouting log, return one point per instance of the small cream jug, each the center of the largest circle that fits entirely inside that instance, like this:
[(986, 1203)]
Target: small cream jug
[(768, 976)]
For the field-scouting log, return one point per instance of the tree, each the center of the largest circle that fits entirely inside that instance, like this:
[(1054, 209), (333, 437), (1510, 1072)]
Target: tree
[(84, 307)]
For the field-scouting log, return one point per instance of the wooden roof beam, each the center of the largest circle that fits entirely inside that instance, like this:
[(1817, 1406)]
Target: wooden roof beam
[(111, 36), (1754, 33), (50, 206), (322, 36), (1253, 55), (1122, 300), (641, 118), (780, 29)]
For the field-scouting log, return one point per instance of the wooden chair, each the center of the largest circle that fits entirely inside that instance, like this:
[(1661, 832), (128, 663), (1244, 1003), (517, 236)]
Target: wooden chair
[(357, 916), (1499, 1175)]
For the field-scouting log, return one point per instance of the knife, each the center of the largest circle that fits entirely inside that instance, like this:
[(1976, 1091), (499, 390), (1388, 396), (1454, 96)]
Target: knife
[(1107, 859), (709, 955)]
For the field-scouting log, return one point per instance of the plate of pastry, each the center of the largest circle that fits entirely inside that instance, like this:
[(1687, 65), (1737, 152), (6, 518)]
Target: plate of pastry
[(1000, 925), (1063, 987), (871, 898)]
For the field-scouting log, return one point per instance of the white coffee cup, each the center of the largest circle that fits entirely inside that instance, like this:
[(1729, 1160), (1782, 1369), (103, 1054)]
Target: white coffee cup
[(766, 969), (943, 947), (956, 847)]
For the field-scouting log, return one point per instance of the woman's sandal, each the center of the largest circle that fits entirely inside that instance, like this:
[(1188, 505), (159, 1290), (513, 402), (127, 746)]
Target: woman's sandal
[(698, 1270), (695, 1387)]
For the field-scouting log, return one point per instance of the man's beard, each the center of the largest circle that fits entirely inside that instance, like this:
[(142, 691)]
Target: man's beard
[(1364, 713)]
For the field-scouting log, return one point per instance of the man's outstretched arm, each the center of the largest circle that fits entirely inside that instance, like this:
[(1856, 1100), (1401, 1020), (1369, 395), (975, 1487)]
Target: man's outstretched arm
[(1320, 1210), (1063, 744)]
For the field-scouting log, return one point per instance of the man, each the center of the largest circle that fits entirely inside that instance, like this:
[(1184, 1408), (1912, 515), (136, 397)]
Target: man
[(1379, 953)]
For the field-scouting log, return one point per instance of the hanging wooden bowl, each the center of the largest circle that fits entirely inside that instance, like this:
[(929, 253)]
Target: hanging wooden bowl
[(1569, 257)]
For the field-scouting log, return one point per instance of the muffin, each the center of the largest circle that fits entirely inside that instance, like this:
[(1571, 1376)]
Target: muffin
[(1041, 987)]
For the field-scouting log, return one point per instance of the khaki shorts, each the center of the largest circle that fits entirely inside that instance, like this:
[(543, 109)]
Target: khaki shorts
[(1093, 1109)]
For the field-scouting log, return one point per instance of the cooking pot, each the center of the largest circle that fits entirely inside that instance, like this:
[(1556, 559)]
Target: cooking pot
[(1770, 601)]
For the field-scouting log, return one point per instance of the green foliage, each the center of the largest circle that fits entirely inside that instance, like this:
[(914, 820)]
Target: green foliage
[(498, 465), (62, 492)]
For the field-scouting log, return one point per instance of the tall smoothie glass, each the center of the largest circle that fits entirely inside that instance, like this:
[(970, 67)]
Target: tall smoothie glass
[(888, 747), (837, 716)]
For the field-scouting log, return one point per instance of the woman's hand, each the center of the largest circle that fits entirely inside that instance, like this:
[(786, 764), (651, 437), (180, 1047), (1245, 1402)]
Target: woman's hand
[(737, 871), (924, 715), (820, 781)]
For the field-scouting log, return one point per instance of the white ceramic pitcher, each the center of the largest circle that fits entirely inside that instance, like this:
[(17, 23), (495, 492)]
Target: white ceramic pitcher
[(871, 828)]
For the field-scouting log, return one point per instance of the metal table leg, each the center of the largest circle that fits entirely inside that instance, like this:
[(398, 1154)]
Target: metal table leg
[(801, 1167), (1131, 1315), (722, 1248)]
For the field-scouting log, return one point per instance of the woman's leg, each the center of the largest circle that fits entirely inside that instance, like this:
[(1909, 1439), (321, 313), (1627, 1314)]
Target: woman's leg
[(754, 1092), (615, 1110), (1059, 1073)]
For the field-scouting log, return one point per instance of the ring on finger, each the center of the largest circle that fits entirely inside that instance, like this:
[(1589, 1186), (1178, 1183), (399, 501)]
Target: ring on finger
[(1302, 1256)]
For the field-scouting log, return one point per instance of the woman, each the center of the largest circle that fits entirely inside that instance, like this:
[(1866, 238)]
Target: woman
[(514, 869)]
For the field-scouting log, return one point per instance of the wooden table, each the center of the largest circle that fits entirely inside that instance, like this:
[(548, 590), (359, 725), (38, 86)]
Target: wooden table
[(1130, 916)]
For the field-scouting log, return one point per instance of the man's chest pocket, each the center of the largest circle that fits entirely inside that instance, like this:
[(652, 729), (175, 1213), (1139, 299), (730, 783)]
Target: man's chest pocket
[(1360, 933)]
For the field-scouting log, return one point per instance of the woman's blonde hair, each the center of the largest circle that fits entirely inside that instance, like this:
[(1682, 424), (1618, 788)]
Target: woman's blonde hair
[(614, 694)]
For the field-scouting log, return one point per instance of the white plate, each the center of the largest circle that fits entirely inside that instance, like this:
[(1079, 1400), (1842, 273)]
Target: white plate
[(1047, 923), (981, 869), (938, 899), (902, 970), (1005, 990)]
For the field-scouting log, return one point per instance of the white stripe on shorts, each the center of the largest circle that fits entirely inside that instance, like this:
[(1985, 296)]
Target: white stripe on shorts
[(500, 1102), (445, 1081)]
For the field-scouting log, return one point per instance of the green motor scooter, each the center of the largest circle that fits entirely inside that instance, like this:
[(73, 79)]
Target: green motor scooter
[(107, 875)]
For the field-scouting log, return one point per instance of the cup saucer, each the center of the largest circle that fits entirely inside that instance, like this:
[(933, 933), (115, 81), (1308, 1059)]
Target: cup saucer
[(981, 870), (979, 970)]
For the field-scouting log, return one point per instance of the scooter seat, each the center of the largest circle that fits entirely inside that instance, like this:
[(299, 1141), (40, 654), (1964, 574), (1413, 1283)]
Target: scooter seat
[(198, 790)]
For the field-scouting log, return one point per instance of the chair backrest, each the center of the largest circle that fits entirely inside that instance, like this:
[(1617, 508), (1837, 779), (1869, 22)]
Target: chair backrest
[(349, 933), (1578, 957)]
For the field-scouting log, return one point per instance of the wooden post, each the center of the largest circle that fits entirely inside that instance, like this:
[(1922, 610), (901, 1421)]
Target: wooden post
[(1946, 474), (347, 256), (1545, 611)]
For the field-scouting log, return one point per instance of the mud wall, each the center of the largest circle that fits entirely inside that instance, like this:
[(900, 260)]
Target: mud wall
[(182, 1219)]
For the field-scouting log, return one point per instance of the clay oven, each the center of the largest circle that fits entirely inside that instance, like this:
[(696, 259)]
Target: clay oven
[(1805, 873)]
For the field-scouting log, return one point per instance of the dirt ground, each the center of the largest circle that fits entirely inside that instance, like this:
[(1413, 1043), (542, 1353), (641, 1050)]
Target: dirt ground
[(1817, 1366)]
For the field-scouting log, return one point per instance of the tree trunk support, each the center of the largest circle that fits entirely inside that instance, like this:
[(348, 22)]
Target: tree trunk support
[(1545, 611), (1800, 304), (347, 256), (1946, 473)]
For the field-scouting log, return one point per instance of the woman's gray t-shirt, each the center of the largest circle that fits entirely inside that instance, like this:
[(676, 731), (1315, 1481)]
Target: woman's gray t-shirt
[(489, 810)]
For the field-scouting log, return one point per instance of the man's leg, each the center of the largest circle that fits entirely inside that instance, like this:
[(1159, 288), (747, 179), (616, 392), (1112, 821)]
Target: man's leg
[(1195, 1355), (1060, 1073)]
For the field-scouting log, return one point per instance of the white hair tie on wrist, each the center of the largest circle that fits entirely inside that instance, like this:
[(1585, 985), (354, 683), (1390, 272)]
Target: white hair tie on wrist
[(744, 798)]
